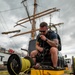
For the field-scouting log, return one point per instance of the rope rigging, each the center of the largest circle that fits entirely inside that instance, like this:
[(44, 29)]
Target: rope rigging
[(10, 9), (11, 42), (25, 5)]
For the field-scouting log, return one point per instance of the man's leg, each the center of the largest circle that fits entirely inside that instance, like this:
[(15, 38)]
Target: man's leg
[(54, 56), (33, 55)]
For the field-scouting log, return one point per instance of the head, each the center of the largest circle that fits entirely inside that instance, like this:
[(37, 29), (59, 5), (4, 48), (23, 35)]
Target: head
[(43, 28)]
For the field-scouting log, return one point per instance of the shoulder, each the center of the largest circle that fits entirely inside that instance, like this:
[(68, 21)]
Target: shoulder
[(52, 34)]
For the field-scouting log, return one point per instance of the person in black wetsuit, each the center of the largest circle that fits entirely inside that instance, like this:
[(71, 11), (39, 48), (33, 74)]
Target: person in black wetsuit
[(46, 39)]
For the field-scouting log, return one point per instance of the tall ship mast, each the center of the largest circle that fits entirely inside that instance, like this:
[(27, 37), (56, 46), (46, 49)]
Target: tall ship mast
[(16, 67), (32, 20)]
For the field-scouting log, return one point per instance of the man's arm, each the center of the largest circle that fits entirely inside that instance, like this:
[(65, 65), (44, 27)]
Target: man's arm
[(53, 42), (38, 47)]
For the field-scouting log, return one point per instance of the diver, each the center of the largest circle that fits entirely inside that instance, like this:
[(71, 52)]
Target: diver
[(46, 40)]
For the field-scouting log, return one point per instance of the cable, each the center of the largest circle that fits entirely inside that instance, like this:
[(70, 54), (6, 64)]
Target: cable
[(10, 9), (3, 19), (2, 24), (8, 29), (13, 69)]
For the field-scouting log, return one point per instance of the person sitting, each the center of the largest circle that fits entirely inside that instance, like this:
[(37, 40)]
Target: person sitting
[(46, 39)]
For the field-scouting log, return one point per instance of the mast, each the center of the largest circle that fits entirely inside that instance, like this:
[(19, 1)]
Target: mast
[(33, 21)]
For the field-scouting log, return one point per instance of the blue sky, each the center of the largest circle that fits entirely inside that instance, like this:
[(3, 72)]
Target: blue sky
[(12, 11)]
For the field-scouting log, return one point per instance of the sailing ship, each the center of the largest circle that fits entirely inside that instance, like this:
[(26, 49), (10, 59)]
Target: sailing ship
[(32, 20)]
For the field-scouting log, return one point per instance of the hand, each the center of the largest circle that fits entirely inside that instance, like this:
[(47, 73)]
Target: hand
[(43, 37), (41, 49)]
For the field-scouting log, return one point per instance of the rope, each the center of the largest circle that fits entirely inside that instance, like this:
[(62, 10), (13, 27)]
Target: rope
[(25, 66), (13, 69)]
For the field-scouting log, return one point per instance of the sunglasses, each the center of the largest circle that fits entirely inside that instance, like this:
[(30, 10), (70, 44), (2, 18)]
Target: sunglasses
[(42, 31)]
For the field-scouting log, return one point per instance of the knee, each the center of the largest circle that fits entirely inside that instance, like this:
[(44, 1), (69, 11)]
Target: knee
[(33, 53), (53, 50)]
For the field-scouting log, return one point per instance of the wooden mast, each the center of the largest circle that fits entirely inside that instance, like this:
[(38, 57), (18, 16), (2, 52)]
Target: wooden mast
[(33, 21)]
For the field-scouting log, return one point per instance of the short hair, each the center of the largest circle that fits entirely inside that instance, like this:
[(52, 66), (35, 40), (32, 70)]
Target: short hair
[(42, 24)]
